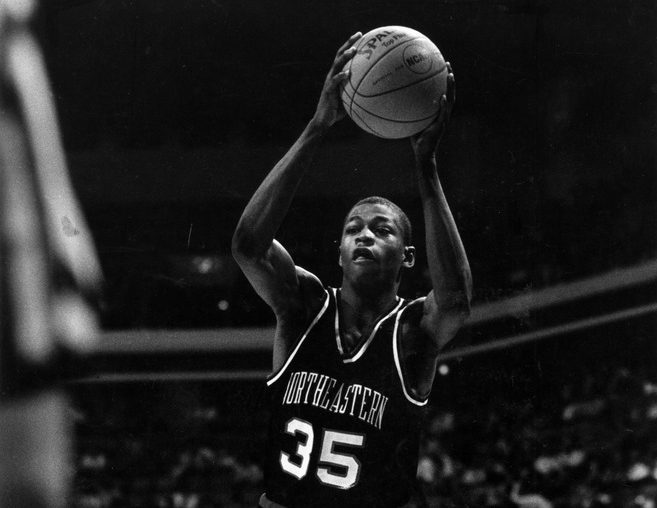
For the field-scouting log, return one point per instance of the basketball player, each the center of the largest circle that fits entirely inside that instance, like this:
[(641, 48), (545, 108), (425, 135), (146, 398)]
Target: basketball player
[(352, 367)]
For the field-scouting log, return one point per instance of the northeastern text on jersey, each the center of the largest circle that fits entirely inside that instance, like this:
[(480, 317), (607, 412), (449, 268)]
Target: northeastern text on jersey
[(332, 395)]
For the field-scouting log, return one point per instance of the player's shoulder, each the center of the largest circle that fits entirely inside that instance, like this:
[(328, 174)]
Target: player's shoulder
[(414, 309), (311, 290), (309, 282), (416, 316), (301, 306)]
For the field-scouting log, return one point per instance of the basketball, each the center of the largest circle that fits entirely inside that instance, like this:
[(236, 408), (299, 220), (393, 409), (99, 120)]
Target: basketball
[(397, 78)]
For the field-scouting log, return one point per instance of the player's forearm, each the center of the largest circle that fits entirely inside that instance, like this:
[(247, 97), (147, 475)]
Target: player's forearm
[(448, 263), (268, 206)]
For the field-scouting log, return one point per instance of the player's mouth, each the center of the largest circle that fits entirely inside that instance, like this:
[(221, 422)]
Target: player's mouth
[(362, 254)]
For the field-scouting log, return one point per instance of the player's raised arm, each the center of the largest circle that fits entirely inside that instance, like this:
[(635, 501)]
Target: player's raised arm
[(448, 304), (264, 261)]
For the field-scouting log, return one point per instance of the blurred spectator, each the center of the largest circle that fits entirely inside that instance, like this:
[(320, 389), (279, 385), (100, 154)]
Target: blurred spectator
[(528, 500)]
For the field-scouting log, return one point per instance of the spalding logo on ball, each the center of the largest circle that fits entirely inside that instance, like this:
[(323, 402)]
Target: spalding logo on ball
[(396, 80)]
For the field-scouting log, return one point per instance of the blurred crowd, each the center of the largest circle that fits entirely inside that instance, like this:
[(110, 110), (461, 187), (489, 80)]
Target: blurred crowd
[(115, 469), (597, 448), (592, 443)]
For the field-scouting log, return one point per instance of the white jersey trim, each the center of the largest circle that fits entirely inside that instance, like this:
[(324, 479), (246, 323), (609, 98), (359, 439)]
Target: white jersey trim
[(336, 322), (282, 370), (395, 352), (367, 343)]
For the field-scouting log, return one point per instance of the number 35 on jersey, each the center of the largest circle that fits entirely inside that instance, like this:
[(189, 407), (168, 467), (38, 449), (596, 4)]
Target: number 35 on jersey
[(336, 467)]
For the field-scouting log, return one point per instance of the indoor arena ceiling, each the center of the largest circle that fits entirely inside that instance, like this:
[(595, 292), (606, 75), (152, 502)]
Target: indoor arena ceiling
[(173, 100)]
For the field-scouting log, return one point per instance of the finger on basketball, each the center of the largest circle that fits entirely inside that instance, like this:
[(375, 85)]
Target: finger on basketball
[(338, 78), (342, 59), (350, 42), (451, 89), (443, 114)]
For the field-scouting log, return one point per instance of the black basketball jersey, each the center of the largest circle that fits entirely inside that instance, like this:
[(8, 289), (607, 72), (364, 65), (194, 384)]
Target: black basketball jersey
[(344, 431)]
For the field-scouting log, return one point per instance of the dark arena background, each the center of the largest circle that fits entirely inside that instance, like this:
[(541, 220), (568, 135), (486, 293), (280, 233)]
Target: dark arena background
[(168, 114)]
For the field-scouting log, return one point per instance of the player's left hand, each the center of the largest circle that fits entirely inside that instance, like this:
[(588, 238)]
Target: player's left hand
[(329, 107), (426, 142)]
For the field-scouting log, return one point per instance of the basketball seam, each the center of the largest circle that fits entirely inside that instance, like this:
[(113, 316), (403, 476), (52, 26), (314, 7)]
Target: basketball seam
[(375, 61), (367, 125), (351, 97), (351, 102), (404, 86), (395, 120), (363, 124)]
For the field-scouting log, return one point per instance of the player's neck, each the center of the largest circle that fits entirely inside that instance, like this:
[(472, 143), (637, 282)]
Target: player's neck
[(366, 305), (360, 312)]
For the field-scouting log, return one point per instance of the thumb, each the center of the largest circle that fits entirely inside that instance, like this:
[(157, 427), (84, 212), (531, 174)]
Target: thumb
[(335, 81)]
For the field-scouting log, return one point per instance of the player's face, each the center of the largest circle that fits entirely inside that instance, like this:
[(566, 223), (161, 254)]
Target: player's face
[(372, 247)]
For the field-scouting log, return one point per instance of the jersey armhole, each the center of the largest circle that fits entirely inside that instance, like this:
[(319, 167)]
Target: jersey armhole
[(274, 376), (395, 351)]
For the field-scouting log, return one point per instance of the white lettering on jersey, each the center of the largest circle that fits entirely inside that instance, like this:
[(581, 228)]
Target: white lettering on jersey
[(359, 401)]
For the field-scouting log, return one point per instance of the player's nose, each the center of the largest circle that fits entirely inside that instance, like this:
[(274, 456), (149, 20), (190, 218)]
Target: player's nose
[(365, 237)]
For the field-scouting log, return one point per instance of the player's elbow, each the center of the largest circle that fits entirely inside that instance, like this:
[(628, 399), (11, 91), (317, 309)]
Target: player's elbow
[(446, 314), (466, 291), (458, 305), (451, 322), (243, 245), (455, 302), (454, 309), (457, 311)]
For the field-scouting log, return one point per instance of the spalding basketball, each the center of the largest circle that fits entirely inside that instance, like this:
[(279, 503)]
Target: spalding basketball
[(397, 78)]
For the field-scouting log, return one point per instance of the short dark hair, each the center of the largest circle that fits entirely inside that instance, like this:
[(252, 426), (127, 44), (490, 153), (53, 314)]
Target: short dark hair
[(405, 223)]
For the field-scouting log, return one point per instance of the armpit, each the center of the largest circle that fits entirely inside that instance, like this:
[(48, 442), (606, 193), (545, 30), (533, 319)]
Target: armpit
[(417, 351)]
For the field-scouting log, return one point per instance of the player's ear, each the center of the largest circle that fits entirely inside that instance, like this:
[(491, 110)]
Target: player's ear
[(339, 257), (409, 256)]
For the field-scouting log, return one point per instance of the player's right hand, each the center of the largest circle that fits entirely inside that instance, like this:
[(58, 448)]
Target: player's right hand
[(425, 143), (329, 107)]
